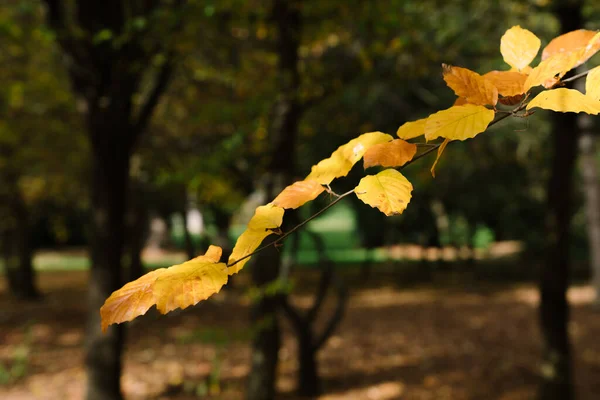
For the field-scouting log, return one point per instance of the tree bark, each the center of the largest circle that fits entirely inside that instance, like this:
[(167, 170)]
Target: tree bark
[(557, 376), (591, 192), (283, 129)]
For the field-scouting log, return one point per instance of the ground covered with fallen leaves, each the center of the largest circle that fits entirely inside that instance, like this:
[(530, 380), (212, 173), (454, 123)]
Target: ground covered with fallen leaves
[(434, 341)]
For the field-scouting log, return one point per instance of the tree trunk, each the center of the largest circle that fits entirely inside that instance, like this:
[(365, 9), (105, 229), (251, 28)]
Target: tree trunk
[(557, 376), (265, 325), (309, 384), (137, 231), (591, 191), (283, 130), (110, 175)]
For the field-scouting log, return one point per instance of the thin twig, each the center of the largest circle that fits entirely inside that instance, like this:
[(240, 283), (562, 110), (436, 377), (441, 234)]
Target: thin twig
[(295, 228), (575, 77)]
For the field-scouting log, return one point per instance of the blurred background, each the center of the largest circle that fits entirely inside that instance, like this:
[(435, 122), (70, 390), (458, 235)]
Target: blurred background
[(135, 133)]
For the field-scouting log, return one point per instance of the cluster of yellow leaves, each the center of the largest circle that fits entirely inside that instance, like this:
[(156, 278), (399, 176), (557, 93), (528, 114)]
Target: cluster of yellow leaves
[(478, 96)]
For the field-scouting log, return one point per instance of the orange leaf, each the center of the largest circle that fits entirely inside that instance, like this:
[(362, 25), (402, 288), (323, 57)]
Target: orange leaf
[(557, 64), (298, 193), (470, 85), (132, 300), (574, 41), (391, 154), (439, 154), (508, 83)]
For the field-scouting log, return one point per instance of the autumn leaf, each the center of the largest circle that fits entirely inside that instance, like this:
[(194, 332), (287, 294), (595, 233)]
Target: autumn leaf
[(169, 288), (592, 84), (558, 64), (389, 191), (184, 285), (519, 47), (508, 83), (583, 42), (132, 300), (343, 159), (460, 101), (298, 194), (411, 130), (265, 220), (439, 154), (565, 100), (474, 88), (391, 154), (458, 122)]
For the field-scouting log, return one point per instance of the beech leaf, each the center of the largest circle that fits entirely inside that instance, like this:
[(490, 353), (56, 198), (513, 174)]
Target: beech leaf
[(592, 84), (458, 122), (266, 219), (508, 83), (565, 100), (343, 159), (180, 286), (411, 130), (389, 191), (391, 154), (298, 193), (583, 42), (470, 85), (439, 154), (519, 47)]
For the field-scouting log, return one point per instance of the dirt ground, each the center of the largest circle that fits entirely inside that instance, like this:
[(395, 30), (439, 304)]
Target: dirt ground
[(450, 342)]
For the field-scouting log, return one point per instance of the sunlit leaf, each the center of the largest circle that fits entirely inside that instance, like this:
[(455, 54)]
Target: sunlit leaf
[(132, 300), (178, 286), (592, 84), (519, 47), (266, 219), (343, 159), (556, 65), (412, 129), (389, 191), (460, 101), (184, 285), (565, 100), (439, 154), (298, 194), (474, 88), (391, 154), (585, 42), (458, 122), (508, 83)]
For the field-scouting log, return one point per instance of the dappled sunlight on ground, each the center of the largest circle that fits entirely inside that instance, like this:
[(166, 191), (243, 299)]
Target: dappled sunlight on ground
[(476, 341)]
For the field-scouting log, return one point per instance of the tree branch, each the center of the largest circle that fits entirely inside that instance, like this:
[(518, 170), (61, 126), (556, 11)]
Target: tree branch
[(336, 316)]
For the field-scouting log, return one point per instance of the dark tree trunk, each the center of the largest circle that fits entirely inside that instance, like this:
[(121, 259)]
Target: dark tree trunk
[(282, 136), (138, 231), (309, 383), (557, 376), (103, 351)]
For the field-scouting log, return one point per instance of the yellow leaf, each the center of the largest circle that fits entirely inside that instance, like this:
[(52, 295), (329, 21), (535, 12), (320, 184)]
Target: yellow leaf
[(458, 122), (298, 193), (508, 83), (557, 64), (265, 220), (391, 154), (565, 100), (586, 43), (389, 191), (343, 159), (131, 301), (439, 154), (177, 286), (470, 85), (592, 84), (519, 47), (412, 129)]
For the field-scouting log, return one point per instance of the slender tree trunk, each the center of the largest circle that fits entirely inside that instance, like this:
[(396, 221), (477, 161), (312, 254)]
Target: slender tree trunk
[(110, 175), (309, 384), (282, 134), (557, 375), (137, 231), (591, 191)]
